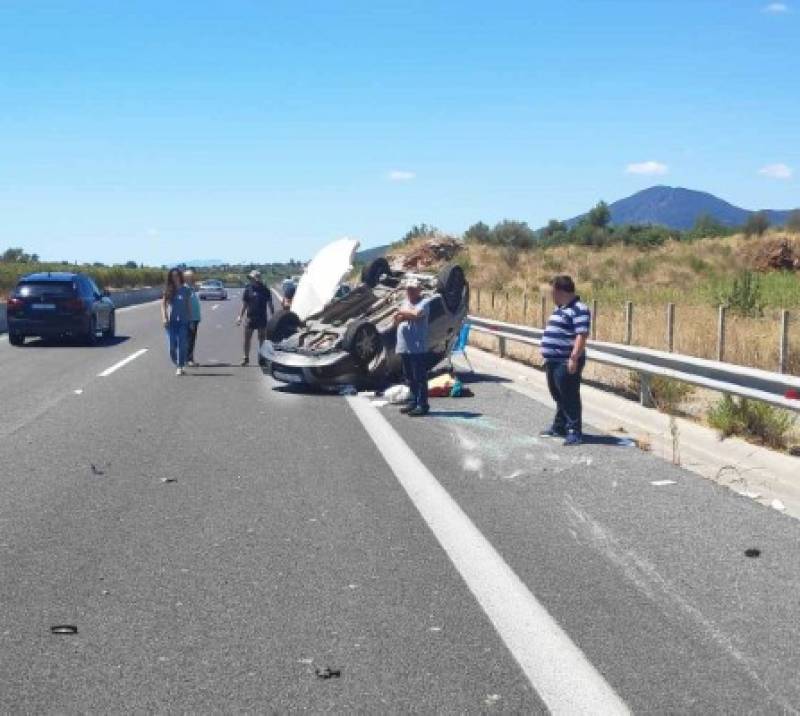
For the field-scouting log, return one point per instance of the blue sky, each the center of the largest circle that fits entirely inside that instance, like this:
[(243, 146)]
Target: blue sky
[(258, 130)]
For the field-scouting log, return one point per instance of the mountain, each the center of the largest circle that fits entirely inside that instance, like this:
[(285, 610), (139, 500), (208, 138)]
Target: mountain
[(679, 208)]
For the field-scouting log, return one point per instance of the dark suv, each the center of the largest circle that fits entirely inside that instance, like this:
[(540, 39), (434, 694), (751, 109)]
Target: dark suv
[(55, 305)]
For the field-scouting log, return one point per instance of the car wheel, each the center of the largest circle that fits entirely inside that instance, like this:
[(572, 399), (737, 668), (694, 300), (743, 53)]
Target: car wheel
[(362, 341), (450, 284), (111, 331), (372, 272), (282, 325), (16, 339)]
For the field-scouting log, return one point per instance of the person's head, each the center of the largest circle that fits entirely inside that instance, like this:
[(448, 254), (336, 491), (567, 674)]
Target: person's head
[(254, 276), (563, 289), (188, 277), (413, 289), (174, 282)]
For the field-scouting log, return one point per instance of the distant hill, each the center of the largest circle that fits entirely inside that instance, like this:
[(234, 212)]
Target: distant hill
[(367, 255), (679, 208)]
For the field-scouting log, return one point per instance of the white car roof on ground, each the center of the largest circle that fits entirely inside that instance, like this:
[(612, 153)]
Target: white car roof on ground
[(322, 277)]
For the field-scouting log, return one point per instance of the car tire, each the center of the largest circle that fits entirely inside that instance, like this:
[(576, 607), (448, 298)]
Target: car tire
[(16, 339), (450, 284), (372, 272), (282, 325), (362, 341), (111, 332)]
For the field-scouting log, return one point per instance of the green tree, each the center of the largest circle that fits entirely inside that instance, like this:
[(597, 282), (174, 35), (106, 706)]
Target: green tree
[(15, 255), (756, 224), (478, 233), (131, 264), (419, 231), (707, 227), (599, 216), (516, 234)]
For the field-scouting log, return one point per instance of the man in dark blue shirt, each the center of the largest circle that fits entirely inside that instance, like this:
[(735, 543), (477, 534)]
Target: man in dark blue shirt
[(257, 303), (564, 352)]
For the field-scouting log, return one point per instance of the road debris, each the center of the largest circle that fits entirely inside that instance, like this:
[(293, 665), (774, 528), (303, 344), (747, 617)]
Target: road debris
[(776, 504), (662, 483), (397, 394), (78, 391), (379, 403), (169, 479), (63, 629), (96, 470), (328, 673), (752, 552)]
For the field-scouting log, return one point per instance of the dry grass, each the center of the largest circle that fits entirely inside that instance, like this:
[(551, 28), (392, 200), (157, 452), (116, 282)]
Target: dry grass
[(690, 275)]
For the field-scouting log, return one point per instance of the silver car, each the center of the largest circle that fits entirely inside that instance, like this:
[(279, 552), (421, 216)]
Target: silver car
[(212, 290)]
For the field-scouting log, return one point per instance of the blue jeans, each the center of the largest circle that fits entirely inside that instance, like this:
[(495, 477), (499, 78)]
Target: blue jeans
[(178, 337), (565, 387), (415, 369)]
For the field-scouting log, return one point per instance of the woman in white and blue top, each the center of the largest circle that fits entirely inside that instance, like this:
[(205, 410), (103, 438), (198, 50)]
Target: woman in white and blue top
[(176, 314), (564, 351)]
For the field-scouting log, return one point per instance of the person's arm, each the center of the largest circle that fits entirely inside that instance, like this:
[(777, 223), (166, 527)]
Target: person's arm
[(164, 314), (242, 309), (577, 352), (409, 314)]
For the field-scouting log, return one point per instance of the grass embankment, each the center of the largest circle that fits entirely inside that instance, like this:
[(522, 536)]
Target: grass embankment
[(105, 276), (696, 276)]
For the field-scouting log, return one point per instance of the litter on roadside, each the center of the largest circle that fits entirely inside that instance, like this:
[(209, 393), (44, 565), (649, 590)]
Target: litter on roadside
[(447, 386), (776, 504), (661, 483), (397, 394), (169, 479)]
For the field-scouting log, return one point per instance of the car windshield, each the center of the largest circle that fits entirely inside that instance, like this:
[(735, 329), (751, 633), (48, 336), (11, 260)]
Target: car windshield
[(213, 284), (38, 289)]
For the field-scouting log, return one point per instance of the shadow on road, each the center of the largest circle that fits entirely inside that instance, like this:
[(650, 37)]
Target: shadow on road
[(610, 440), (469, 378), (459, 414), (75, 343)]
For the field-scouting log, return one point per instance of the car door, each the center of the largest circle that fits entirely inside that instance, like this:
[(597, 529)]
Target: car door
[(101, 305)]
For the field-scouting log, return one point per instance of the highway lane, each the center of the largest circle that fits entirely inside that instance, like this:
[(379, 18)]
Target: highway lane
[(286, 543)]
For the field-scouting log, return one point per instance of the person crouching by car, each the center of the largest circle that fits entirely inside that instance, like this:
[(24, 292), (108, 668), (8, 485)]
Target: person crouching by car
[(257, 303), (288, 294), (412, 346), (564, 351)]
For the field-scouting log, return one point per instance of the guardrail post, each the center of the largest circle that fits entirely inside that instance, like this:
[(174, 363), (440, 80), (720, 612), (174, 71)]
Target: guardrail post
[(670, 327), (543, 310), (525, 308), (501, 346), (783, 359), (721, 333), (506, 314), (628, 322), (477, 301), (492, 302), (645, 391), (594, 319)]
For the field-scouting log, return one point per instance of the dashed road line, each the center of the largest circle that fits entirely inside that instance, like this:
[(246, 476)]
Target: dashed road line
[(123, 362), (557, 669)]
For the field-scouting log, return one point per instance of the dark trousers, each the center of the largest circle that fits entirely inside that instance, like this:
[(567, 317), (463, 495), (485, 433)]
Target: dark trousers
[(565, 387), (415, 369), (177, 337), (192, 339)]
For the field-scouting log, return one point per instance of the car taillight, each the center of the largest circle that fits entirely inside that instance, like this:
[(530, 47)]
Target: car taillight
[(14, 305), (73, 304)]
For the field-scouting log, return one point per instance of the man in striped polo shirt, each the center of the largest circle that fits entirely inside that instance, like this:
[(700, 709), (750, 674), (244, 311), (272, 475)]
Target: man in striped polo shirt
[(564, 352)]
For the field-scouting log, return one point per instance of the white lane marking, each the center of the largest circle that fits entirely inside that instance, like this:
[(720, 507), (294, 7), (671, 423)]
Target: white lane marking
[(123, 362), (137, 306), (558, 670)]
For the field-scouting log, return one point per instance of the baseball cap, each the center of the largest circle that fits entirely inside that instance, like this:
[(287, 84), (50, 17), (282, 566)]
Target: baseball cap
[(255, 274)]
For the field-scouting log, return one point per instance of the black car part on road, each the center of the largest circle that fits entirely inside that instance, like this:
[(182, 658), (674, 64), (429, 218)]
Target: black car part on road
[(450, 284)]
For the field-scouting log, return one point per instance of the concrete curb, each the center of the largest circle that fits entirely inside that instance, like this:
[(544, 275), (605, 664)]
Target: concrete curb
[(121, 299)]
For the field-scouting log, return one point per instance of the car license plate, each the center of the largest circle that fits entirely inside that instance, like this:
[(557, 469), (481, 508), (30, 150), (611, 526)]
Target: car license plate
[(43, 306), (286, 377)]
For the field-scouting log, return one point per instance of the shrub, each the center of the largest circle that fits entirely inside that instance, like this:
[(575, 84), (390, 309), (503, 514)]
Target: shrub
[(667, 393), (743, 296), (751, 419)]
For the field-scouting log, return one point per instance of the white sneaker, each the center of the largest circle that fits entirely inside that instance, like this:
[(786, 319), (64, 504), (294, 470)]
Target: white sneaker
[(180, 371)]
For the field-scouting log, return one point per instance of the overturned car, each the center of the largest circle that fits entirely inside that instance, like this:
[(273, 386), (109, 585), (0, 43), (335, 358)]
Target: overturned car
[(350, 340)]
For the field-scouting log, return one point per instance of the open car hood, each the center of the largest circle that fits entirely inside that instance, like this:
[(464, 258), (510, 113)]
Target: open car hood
[(322, 277)]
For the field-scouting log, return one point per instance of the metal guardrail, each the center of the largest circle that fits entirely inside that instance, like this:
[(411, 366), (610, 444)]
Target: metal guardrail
[(728, 378)]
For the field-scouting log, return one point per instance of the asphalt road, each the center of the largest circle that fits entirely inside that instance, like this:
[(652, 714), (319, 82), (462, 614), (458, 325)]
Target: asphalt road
[(217, 539)]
